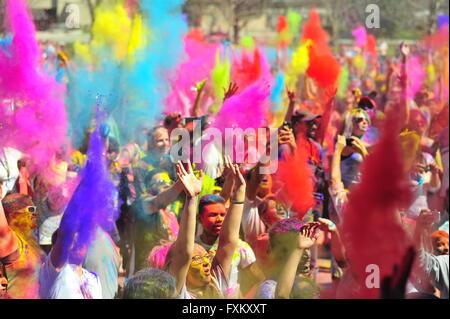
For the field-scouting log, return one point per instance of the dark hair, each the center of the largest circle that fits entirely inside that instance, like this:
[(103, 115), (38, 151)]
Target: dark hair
[(208, 200), (151, 283)]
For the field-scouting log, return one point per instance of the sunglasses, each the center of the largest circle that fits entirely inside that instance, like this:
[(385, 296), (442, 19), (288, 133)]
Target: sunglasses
[(199, 259), (359, 119)]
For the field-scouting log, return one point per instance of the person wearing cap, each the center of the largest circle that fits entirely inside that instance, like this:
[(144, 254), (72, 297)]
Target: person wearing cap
[(20, 254), (305, 125)]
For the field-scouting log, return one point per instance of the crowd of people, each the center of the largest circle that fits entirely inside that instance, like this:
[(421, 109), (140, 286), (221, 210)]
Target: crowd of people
[(225, 229)]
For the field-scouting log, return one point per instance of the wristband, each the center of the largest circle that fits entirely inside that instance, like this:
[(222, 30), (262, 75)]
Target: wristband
[(236, 202)]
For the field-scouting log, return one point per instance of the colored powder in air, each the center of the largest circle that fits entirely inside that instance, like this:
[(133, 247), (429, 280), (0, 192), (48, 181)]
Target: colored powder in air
[(371, 45), (112, 28), (246, 69), (294, 19), (343, 82), (416, 76), (360, 35), (323, 67), (371, 228), (220, 76), (431, 75), (313, 31), (247, 42), (299, 64), (442, 21), (92, 204), (35, 120), (197, 67), (282, 32), (147, 81), (296, 176), (244, 110), (277, 92), (359, 63)]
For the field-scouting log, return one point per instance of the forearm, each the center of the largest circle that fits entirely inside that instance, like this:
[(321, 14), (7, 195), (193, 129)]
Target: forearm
[(184, 245), (227, 189), (435, 181), (286, 277), (336, 167), (229, 235), (4, 227), (231, 224), (195, 109), (289, 112), (164, 198), (337, 248)]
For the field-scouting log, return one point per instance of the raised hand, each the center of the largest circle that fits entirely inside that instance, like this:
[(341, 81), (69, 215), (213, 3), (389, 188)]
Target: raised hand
[(229, 170), (326, 225), (286, 136), (359, 146), (341, 142), (425, 219), (291, 96), (191, 184), (308, 235), (232, 89)]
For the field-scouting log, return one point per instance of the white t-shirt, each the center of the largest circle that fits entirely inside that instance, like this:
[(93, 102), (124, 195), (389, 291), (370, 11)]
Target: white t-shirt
[(252, 225), (66, 283), (420, 191), (9, 171)]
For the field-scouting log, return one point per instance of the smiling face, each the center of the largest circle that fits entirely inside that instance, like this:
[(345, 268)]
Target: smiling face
[(212, 217), (360, 125), (159, 142)]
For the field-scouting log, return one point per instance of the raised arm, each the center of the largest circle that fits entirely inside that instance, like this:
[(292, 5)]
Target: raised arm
[(195, 110), (166, 197), (291, 105), (183, 247), (306, 238), (336, 160), (229, 235), (337, 247), (8, 241), (228, 185)]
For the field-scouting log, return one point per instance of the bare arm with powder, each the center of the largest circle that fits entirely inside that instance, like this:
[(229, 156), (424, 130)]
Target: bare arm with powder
[(183, 248), (166, 197), (306, 238), (8, 240), (229, 235)]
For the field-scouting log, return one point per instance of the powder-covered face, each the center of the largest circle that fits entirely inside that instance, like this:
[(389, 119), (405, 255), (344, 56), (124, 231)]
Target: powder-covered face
[(23, 220), (440, 246), (360, 125), (3, 285), (212, 218), (273, 213), (199, 274), (265, 185), (159, 183), (161, 142)]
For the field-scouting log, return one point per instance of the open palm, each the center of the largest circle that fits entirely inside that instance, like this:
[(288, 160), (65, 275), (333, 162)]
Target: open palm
[(191, 184)]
